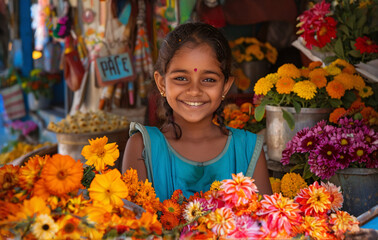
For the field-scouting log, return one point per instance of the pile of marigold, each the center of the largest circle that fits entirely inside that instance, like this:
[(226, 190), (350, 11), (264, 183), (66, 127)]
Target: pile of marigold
[(333, 86), (241, 117), (55, 197)]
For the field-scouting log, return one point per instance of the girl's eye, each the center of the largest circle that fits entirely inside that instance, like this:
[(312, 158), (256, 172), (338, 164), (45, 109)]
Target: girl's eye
[(209, 80), (180, 78)]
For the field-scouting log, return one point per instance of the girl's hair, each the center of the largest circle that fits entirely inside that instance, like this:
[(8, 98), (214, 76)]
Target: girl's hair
[(195, 34)]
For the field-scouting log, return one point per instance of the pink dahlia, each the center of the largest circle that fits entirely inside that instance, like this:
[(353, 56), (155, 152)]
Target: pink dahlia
[(341, 222), (221, 221)]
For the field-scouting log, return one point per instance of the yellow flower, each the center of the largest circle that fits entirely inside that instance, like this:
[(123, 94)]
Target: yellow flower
[(346, 79), (285, 85), (69, 228), (221, 221), (8, 176), (291, 184), (305, 89), (44, 227), (271, 53), (35, 205), (335, 89), (215, 186), (341, 222), (100, 154), (344, 66), (263, 86), (29, 173), (252, 40), (359, 82), (108, 188), (276, 184), (62, 174), (366, 92), (289, 70), (192, 210), (316, 227), (273, 77), (332, 70)]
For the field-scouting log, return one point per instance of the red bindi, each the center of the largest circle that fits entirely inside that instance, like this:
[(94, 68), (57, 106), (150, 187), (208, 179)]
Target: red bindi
[(195, 69)]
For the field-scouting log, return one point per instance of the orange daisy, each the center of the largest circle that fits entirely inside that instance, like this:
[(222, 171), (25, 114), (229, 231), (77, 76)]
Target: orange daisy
[(169, 221), (289, 70), (335, 89), (285, 85), (315, 64), (69, 228), (346, 79), (8, 176), (314, 200), (63, 174), (29, 173), (336, 114), (359, 82), (169, 206), (305, 72), (40, 189)]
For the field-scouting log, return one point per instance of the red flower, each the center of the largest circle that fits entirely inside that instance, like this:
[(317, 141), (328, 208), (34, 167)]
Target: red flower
[(327, 31), (366, 45)]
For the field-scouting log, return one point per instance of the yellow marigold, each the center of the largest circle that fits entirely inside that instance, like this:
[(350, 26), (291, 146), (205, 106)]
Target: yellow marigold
[(359, 82), (289, 70), (252, 40), (273, 77), (263, 86), (344, 66), (332, 70), (285, 85), (346, 79), (336, 114), (365, 92), (275, 183), (335, 89), (315, 64), (291, 184), (319, 80), (241, 81), (255, 50), (215, 185), (239, 57), (305, 89), (271, 53), (239, 41)]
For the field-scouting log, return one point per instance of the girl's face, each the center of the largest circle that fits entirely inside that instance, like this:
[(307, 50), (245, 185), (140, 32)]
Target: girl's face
[(194, 83)]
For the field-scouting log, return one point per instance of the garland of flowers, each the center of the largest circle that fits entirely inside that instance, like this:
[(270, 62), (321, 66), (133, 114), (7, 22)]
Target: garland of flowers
[(55, 197)]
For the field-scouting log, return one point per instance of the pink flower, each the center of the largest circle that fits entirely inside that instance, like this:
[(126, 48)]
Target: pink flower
[(248, 228), (221, 221), (238, 191), (337, 198), (341, 222)]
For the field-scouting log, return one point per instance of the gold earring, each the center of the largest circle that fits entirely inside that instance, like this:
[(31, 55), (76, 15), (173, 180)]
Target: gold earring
[(223, 97), (162, 93)]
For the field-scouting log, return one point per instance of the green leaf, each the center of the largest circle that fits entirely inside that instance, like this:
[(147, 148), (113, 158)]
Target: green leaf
[(344, 29), (348, 98), (339, 48), (297, 106), (330, 59), (260, 111), (362, 21), (335, 103), (351, 21), (355, 53), (289, 118), (307, 172)]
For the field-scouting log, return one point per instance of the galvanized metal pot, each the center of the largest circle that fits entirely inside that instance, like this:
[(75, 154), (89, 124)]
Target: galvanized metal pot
[(278, 133), (359, 187)]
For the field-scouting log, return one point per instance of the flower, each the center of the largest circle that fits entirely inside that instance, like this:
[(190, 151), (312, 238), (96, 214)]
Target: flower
[(193, 210), (336, 114), (221, 221), (316, 227), (335, 89), (365, 92), (314, 200), (40, 83), (341, 222), (282, 213), (169, 206), (239, 190), (275, 184), (99, 153), (337, 198), (62, 173), (305, 89), (44, 227), (108, 188), (291, 184), (285, 85), (336, 27), (251, 49), (169, 221)]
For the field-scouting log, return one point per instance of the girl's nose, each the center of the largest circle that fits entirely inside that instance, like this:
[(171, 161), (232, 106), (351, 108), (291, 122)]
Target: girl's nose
[(194, 88)]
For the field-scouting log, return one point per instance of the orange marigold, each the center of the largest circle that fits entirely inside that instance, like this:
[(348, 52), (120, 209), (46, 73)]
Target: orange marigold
[(335, 89), (315, 64), (247, 108), (359, 82), (346, 79), (289, 70), (319, 80), (241, 81), (336, 114), (8, 176), (171, 207), (29, 173), (344, 66), (285, 85), (169, 221), (305, 72), (318, 71)]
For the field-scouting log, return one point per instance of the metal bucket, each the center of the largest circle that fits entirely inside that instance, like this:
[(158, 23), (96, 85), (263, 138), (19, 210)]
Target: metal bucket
[(359, 187), (278, 133), (72, 144)]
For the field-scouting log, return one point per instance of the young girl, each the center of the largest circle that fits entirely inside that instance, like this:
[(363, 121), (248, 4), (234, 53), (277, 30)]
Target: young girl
[(189, 152)]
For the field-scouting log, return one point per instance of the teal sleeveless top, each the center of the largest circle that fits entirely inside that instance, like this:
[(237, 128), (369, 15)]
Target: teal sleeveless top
[(169, 171)]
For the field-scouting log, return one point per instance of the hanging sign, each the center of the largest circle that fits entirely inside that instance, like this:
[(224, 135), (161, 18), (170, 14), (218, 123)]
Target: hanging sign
[(113, 69)]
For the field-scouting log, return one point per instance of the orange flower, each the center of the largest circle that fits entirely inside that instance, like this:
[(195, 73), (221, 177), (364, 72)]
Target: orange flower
[(336, 114), (241, 81), (335, 89), (318, 72), (169, 221), (221, 221), (100, 154), (316, 227), (236, 124), (289, 70), (29, 173), (244, 118), (40, 189), (344, 66), (8, 176), (285, 85), (169, 206), (69, 228), (62, 173), (337, 198), (305, 72), (359, 82), (346, 79), (314, 200), (147, 222), (357, 105), (319, 80), (341, 222), (247, 108), (238, 190), (315, 64)]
